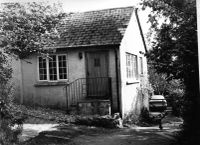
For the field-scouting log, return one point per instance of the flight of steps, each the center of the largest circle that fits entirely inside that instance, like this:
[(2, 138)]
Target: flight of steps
[(91, 107)]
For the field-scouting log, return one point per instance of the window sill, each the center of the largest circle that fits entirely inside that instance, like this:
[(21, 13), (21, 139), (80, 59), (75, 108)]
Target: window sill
[(131, 82), (45, 83)]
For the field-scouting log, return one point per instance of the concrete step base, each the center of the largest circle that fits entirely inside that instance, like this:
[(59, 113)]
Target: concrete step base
[(94, 107)]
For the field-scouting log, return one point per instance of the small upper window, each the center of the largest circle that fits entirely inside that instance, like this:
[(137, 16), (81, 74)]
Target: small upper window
[(97, 62), (141, 65)]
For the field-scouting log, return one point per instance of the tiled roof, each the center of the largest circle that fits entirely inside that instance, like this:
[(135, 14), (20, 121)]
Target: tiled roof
[(102, 27)]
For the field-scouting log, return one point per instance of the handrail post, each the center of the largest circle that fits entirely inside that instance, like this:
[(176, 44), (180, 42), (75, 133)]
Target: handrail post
[(110, 94), (67, 107)]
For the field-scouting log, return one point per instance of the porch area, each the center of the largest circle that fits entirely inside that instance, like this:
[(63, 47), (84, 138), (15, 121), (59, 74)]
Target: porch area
[(89, 96)]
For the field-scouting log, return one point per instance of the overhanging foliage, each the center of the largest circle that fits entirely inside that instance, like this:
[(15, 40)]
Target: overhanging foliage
[(175, 53), (28, 28)]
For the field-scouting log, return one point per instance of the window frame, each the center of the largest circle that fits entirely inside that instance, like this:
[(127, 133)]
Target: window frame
[(135, 72), (38, 68), (57, 69), (56, 62)]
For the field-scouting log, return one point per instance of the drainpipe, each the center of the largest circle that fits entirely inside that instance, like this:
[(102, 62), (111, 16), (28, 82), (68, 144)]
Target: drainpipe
[(198, 29), (117, 67), (140, 28)]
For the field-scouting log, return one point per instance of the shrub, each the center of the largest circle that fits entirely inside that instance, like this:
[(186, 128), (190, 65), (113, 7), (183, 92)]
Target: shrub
[(10, 121), (144, 119)]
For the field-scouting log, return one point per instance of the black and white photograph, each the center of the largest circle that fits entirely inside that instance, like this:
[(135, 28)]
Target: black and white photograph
[(99, 72)]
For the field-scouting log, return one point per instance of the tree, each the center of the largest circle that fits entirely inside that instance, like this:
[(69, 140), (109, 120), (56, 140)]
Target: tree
[(24, 29), (28, 28), (158, 81), (175, 53)]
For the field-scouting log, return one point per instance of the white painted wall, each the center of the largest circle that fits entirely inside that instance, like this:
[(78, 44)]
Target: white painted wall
[(131, 43)]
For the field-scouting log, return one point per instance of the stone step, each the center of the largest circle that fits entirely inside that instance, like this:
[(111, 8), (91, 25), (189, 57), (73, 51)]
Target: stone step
[(94, 107)]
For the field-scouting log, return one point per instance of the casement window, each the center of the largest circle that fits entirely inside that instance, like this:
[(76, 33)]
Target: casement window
[(52, 68), (141, 65), (131, 66), (42, 68)]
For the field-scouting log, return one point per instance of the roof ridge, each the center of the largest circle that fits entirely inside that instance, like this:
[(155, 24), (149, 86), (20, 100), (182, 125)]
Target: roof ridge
[(104, 9)]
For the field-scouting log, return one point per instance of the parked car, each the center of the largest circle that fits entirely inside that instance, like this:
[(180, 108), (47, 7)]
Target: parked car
[(157, 109), (157, 106), (157, 103)]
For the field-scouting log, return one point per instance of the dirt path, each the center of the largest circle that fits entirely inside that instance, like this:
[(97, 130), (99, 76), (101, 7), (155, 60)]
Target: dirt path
[(82, 135), (129, 136), (46, 133)]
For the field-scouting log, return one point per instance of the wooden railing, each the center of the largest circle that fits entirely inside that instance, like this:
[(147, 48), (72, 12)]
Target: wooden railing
[(88, 88)]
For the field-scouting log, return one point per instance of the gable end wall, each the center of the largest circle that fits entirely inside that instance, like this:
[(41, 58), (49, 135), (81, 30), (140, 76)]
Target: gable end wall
[(131, 102)]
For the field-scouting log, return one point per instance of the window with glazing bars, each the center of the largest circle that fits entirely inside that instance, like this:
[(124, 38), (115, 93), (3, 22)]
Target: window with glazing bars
[(42, 68), (131, 66), (56, 66), (62, 62)]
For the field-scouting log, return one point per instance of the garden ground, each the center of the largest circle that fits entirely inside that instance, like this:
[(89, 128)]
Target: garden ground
[(40, 131)]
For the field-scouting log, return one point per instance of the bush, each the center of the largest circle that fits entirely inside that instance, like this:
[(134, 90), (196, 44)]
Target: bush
[(10, 121), (176, 102), (175, 97), (144, 119), (10, 124)]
